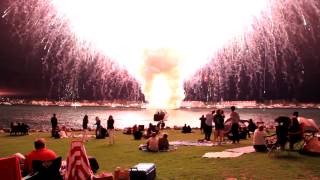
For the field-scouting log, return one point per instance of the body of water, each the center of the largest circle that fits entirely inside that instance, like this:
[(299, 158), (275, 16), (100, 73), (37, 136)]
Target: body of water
[(38, 117)]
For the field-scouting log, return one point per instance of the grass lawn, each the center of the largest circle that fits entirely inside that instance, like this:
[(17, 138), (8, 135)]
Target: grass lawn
[(184, 163)]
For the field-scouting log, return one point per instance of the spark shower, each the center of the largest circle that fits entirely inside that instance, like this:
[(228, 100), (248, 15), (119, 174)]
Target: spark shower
[(161, 44)]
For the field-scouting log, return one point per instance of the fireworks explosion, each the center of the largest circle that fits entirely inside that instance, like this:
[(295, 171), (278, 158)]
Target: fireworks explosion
[(115, 48)]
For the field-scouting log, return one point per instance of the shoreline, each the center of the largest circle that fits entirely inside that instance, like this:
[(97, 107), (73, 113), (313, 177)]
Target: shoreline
[(250, 104)]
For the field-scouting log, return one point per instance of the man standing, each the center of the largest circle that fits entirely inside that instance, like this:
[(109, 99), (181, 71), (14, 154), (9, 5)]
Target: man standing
[(235, 118), (202, 124), (208, 126), (54, 124), (85, 122)]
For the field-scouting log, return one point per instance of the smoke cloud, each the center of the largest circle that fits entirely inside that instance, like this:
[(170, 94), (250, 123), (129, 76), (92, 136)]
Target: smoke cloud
[(162, 79)]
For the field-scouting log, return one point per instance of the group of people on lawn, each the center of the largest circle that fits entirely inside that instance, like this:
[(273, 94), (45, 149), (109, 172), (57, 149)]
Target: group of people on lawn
[(217, 117), (159, 141), (290, 131), (286, 131), (100, 131)]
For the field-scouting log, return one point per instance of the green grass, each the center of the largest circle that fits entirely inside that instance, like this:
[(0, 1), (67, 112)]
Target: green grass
[(184, 163)]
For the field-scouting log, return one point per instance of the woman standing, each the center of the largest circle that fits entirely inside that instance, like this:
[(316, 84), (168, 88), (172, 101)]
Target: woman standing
[(110, 129)]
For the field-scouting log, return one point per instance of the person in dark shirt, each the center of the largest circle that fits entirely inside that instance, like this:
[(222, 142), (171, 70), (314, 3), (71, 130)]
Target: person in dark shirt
[(295, 132), (202, 123), (163, 142), (54, 124), (218, 119), (98, 127), (110, 129), (251, 127), (85, 122)]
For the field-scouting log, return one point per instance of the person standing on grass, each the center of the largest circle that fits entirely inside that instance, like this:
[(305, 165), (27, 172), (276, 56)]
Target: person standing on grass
[(235, 119), (110, 129), (54, 124), (208, 127), (219, 126), (85, 122), (202, 123), (98, 127)]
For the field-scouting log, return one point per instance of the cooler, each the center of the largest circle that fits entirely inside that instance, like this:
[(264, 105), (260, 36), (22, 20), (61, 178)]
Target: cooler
[(143, 171)]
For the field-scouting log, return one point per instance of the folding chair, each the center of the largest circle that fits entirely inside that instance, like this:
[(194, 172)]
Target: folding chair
[(78, 165), (49, 170), (10, 168)]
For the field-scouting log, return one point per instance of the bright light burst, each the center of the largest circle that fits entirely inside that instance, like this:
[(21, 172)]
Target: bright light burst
[(124, 29), (161, 43)]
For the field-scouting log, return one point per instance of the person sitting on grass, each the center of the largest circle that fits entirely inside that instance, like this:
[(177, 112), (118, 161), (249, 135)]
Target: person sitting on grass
[(251, 127), (295, 132), (153, 143), (163, 142), (63, 132), (259, 142), (137, 134), (186, 129), (40, 153)]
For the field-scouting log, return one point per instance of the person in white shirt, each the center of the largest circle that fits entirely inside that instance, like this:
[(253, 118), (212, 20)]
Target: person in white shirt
[(259, 142), (208, 127)]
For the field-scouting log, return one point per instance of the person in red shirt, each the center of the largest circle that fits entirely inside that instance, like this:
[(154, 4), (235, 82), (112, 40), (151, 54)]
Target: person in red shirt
[(40, 153)]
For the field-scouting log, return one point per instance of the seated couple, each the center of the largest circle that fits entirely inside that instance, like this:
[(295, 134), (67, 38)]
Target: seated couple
[(186, 129), (155, 144)]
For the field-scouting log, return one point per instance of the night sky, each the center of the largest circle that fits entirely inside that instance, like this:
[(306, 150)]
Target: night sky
[(22, 70)]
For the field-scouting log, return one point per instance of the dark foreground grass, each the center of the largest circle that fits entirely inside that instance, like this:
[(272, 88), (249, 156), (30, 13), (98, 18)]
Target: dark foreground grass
[(184, 163)]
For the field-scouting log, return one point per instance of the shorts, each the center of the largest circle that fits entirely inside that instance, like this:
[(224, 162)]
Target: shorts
[(219, 132)]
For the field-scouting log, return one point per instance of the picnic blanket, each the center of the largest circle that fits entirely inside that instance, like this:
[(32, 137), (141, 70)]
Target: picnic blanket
[(81, 135), (143, 147), (244, 150), (223, 154), (230, 153), (196, 143)]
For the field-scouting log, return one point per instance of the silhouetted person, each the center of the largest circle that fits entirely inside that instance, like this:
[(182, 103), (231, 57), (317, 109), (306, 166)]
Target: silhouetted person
[(85, 122), (251, 127), (282, 130), (98, 127), (137, 134), (295, 131), (235, 118), (186, 129), (163, 142), (202, 123), (54, 124)]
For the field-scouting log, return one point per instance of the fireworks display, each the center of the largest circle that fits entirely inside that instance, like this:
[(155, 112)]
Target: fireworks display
[(229, 50)]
